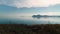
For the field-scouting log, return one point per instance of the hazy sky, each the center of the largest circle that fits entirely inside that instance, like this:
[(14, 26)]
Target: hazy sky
[(29, 7), (29, 3)]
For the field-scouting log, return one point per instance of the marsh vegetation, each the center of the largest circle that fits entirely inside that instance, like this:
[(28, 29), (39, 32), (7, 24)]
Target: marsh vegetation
[(29, 29)]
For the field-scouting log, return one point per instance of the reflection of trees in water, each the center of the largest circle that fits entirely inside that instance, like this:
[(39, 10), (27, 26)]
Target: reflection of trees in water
[(48, 21), (39, 17), (36, 17)]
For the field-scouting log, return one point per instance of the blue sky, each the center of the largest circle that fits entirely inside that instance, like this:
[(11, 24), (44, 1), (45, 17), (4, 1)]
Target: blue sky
[(29, 7)]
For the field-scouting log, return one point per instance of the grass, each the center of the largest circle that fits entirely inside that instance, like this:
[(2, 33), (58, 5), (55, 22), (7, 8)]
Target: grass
[(29, 29)]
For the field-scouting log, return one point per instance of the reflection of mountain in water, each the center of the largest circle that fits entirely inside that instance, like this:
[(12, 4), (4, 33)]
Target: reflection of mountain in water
[(39, 16)]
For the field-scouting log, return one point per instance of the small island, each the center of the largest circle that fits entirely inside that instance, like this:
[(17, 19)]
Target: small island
[(43, 16)]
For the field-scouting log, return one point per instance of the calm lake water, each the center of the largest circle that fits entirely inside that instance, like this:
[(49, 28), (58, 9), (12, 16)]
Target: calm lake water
[(30, 20)]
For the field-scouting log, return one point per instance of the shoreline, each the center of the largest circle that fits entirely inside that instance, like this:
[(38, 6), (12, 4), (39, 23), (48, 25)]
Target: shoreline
[(29, 29)]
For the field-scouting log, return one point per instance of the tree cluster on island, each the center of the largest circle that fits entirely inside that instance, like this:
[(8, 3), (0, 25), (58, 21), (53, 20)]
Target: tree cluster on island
[(44, 16)]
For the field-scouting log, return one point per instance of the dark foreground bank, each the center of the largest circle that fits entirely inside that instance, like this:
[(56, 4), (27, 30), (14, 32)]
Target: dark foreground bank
[(29, 29)]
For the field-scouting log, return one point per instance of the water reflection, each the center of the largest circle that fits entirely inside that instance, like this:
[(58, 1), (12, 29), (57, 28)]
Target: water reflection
[(50, 20), (31, 20), (36, 17), (39, 17)]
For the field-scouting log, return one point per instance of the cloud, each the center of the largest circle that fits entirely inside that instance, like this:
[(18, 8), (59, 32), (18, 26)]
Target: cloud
[(29, 3)]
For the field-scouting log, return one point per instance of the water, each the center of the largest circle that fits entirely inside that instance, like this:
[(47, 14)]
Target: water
[(30, 20)]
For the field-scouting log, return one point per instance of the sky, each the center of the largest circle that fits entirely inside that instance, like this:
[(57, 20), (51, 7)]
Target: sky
[(29, 7)]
